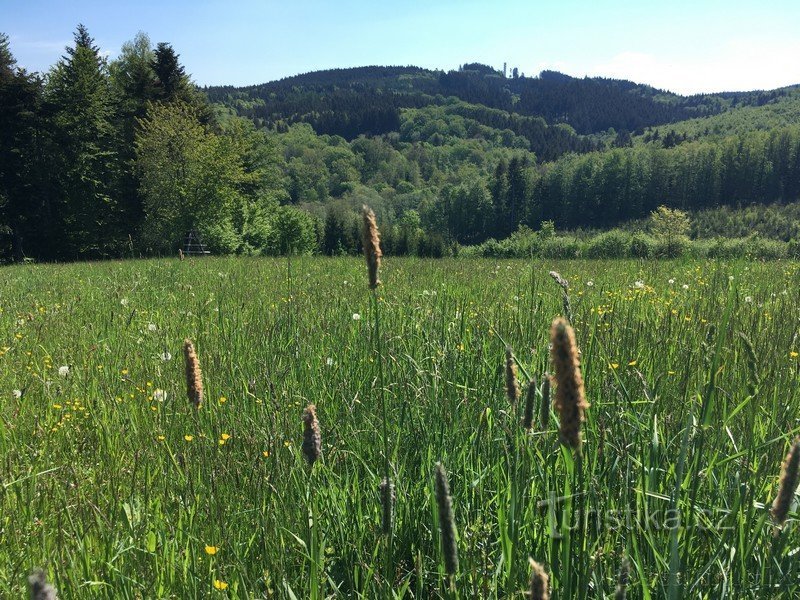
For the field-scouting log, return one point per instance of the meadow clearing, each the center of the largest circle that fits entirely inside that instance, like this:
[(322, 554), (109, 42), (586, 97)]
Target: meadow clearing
[(113, 483)]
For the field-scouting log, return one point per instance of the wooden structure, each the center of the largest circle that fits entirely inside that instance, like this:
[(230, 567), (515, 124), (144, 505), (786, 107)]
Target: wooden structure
[(193, 246)]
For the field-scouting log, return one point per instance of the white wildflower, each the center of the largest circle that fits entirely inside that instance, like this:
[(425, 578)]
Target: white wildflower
[(589, 283), (17, 394), (748, 299), (356, 317), (124, 302), (165, 356), (151, 327), (671, 281), (685, 286), (63, 371), (639, 285), (329, 361), (159, 395)]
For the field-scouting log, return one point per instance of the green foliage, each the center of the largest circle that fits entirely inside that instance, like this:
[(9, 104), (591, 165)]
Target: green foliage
[(85, 152), (561, 248), (189, 175), (611, 244), (98, 164), (670, 227), (292, 231), (642, 245)]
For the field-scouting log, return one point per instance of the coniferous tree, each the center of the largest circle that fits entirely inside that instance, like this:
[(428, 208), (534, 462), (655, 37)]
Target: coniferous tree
[(79, 95), (23, 172)]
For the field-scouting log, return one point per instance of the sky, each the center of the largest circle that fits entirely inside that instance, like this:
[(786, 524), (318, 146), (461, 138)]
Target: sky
[(685, 46)]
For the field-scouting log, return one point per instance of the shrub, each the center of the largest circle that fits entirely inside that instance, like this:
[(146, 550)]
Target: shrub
[(611, 244), (561, 247), (642, 245)]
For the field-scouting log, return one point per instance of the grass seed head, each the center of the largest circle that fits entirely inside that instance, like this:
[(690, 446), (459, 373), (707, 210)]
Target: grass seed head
[(512, 385), (194, 376), (447, 525), (387, 505), (563, 283), (788, 484), (544, 407), (570, 402), (39, 588), (530, 398), (312, 439), (540, 582), (371, 240)]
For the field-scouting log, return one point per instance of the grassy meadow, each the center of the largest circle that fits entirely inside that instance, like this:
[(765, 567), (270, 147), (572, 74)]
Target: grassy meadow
[(114, 484)]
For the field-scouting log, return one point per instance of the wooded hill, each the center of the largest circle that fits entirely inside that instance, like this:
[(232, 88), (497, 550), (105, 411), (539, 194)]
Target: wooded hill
[(122, 158)]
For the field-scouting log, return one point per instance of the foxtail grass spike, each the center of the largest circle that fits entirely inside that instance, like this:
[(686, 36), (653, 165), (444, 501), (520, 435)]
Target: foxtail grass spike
[(563, 283), (621, 592), (788, 484), (540, 582), (447, 525), (39, 588), (512, 385), (312, 439), (544, 407), (570, 402), (194, 376), (371, 240), (387, 505), (530, 398)]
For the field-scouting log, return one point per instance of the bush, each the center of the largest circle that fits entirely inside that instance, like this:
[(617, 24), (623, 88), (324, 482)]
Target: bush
[(642, 246), (757, 247), (561, 247), (671, 248), (793, 248), (611, 244), (432, 245)]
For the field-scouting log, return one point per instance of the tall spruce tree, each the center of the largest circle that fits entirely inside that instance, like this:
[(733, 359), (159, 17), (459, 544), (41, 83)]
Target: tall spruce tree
[(134, 84), (78, 91)]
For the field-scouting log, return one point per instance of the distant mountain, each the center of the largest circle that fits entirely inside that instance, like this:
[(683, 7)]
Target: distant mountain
[(369, 100)]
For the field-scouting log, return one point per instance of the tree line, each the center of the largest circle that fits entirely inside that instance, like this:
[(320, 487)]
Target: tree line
[(119, 158)]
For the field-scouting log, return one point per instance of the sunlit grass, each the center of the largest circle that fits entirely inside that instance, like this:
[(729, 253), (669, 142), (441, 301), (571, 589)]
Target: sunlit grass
[(119, 488)]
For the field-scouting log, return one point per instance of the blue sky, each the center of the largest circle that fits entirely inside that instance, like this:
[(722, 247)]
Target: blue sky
[(681, 45)]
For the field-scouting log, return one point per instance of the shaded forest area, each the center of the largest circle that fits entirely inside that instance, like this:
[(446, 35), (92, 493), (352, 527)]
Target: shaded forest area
[(120, 158)]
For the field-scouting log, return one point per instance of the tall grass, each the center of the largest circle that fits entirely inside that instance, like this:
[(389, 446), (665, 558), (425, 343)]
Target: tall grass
[(118, 488)]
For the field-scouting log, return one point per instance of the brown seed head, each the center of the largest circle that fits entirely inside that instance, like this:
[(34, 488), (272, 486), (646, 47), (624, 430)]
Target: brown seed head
[(530, 398), (312, 440), (371, 240), (447, 525), (512, 385), (194, 376), (540, 582), (788, 485), (570, 402)]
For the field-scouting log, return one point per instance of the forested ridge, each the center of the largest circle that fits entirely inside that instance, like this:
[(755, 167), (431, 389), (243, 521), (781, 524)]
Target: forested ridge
[(118, 158)]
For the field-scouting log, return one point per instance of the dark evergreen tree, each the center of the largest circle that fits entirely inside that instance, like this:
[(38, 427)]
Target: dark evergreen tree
[(79, 95)]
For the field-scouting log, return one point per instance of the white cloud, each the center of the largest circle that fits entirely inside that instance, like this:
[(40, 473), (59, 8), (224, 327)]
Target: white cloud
[(738, 66)]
